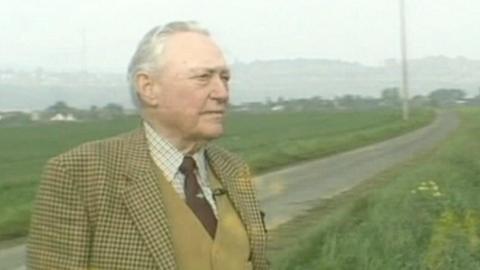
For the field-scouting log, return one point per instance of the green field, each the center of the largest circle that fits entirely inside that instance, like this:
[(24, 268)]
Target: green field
[(424, 214), (267, 141)]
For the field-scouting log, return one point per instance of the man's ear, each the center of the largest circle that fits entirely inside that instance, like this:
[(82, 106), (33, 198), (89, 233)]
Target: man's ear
[(147, 89)]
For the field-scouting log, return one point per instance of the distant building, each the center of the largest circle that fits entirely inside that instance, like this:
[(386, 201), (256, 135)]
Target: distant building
[(70, 117), (419, 101), (61, 117), (277, 108), (239, 108), (35, 116), (14, 116)]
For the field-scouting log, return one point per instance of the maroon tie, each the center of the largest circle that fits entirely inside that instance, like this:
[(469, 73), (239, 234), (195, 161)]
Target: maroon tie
[(195, 198)]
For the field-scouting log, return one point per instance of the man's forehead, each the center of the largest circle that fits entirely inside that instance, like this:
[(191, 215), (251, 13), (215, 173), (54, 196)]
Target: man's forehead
[(194, 51), (191, 43)]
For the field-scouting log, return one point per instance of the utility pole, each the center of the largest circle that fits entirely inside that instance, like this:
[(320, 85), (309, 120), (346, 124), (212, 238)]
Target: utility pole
[(403, 40)]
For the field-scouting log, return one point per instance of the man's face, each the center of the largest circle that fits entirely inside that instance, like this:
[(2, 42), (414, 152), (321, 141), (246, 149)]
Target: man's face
[(192, 88)]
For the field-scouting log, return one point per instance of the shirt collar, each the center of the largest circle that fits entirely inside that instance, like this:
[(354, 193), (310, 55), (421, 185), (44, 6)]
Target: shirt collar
[(167, 157)]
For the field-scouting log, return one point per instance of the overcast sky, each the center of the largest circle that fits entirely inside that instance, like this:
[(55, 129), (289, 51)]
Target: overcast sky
[(48, 34)]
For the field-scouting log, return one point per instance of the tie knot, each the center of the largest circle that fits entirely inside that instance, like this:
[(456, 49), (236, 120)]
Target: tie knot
[(188, 165)]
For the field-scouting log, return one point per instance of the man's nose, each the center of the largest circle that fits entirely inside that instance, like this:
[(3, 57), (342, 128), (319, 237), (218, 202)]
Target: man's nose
[(220, 88)]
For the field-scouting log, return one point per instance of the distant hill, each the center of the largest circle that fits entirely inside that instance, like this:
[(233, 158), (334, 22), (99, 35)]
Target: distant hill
[(326, 78), (253, 81)]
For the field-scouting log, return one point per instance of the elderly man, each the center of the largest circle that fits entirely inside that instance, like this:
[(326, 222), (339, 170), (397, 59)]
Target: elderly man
[(160, 197)]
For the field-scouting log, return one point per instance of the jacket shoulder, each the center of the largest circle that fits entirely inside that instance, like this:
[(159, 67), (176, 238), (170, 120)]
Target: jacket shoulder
[(109, 148), (90, 169), (226, 154), (228, 160)]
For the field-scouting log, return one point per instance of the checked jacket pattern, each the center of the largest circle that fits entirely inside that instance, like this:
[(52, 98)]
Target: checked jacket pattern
[(99, 207)]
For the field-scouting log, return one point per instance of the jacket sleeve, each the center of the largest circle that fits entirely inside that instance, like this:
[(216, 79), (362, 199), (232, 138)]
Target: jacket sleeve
[(59, 231)]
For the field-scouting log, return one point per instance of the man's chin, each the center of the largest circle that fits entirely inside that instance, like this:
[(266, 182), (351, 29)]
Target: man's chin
[(213, 133)]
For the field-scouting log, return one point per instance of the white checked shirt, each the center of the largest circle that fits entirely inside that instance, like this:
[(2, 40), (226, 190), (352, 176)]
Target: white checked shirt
[(169, 159)]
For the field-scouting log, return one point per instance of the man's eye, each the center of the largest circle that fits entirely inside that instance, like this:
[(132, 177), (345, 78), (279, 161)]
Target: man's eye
[(204, 76), (226, 78)]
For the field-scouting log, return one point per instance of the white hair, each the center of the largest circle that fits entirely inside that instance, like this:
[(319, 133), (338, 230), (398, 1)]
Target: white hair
[(147, 57)]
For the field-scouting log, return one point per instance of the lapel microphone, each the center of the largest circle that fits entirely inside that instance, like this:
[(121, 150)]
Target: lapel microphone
[(218, 192)]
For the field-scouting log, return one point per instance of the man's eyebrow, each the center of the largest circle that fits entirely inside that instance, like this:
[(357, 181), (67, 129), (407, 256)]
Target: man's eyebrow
[(210, 70)]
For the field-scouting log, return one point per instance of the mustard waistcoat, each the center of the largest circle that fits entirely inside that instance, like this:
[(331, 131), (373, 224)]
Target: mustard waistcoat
[(194, 249)]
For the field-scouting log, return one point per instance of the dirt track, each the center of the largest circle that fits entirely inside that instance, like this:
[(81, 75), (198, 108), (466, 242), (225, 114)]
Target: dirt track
[(287, 192)]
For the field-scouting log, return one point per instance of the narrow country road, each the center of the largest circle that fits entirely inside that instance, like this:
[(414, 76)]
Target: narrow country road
[(286, 193)]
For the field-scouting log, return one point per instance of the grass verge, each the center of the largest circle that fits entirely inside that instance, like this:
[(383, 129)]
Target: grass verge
[(424, 214)]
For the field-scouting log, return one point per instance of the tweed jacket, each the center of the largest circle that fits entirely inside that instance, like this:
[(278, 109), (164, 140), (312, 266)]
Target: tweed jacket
[(99, 206)]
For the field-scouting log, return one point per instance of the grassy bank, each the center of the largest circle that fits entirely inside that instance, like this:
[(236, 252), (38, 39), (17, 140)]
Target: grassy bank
[(422, 215), (266, 141)]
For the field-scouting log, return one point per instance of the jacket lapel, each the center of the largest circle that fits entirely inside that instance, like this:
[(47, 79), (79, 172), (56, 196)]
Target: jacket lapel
[(227, 175), (241, 193), (144, 203)]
